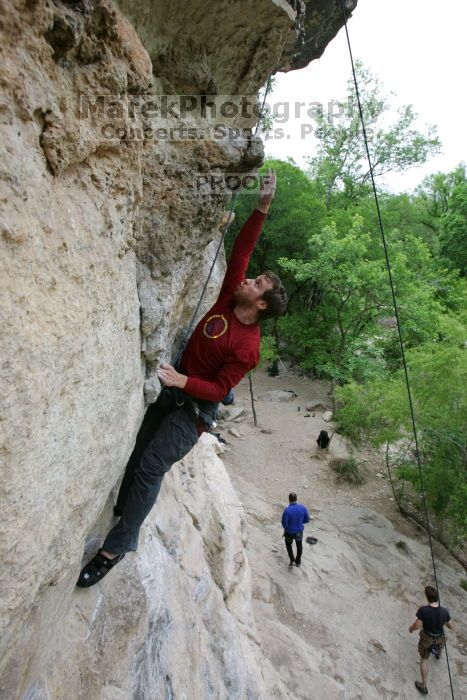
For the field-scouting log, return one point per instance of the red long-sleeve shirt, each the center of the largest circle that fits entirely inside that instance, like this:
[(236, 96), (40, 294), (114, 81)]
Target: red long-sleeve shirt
[(221, 349)]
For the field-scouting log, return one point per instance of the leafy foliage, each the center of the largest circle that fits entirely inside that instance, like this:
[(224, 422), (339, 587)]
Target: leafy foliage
[(453, 237), (268, 350), (347, 290), (378, 411), (341, 163), (347, 470)]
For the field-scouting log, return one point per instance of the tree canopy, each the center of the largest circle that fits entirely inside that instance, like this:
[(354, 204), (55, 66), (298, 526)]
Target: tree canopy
[(394, 142)]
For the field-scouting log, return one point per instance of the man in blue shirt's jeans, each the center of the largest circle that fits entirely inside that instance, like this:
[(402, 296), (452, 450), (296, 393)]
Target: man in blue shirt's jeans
[(294, 517)]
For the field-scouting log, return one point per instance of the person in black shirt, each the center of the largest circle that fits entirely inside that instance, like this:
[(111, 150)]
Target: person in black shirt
[(430, 620)]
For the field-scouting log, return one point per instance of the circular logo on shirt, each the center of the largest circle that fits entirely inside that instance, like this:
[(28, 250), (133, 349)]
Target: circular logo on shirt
[(215, 326)]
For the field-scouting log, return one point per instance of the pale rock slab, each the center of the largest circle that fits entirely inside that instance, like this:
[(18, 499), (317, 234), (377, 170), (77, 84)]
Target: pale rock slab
[(278, 395)]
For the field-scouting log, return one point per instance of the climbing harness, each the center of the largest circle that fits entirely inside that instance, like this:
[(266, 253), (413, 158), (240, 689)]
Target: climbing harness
[(399, 326)]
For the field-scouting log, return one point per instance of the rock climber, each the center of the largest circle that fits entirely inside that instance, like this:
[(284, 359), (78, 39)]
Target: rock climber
[(223, 347), (430, 620)]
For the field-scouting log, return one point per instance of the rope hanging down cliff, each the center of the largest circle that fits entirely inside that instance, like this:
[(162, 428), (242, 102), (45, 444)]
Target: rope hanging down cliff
[(399, 326)]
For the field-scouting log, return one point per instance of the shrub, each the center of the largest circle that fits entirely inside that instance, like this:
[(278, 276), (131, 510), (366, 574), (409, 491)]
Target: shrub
[(347, 470), (400, 544)]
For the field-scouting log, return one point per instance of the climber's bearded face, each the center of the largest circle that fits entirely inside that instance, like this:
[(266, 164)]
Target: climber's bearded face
[(250, 291)]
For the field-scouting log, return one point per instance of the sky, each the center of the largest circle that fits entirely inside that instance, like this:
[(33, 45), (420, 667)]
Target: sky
[(417, 49)]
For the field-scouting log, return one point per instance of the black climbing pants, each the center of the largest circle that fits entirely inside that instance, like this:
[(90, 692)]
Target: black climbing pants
[(167, 434), (289, 538)]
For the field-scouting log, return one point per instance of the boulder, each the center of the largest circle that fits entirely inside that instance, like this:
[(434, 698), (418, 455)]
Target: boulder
[(315, 406), (231, 413), (236, 433), (280, 395)]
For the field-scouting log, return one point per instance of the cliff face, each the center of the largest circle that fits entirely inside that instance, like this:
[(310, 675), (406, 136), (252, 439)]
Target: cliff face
[(106, 241)]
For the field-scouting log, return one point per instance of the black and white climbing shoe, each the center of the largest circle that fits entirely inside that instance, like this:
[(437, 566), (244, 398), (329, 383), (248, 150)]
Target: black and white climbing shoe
[(96, 569)]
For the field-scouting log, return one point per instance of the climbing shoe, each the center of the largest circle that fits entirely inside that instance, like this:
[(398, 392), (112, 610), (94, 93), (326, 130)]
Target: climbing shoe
[(421, 688), (96, 569)]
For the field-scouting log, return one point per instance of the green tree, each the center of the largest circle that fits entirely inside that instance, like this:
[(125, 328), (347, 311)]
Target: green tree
[(453, 236), (433, 196), (341, 320), (436, 190), (347, 291), (378, 411), (341, 164)]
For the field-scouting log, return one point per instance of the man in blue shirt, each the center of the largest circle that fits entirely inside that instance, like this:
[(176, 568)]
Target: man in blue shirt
[(294, 518)]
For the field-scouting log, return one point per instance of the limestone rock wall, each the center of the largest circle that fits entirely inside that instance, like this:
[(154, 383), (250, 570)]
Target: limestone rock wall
[(105, 245), (174, 622)]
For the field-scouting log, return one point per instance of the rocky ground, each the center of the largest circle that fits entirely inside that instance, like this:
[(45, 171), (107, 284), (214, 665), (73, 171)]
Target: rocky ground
[(337, 627)]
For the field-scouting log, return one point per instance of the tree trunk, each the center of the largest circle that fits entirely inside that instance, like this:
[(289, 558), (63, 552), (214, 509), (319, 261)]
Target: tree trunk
[(255, 420)]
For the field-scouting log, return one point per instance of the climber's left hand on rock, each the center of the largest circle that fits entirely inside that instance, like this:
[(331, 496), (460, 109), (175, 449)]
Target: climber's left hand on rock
[(170, 377)]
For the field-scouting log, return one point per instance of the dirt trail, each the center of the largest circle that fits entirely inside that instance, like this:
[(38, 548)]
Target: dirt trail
[(337, 627)]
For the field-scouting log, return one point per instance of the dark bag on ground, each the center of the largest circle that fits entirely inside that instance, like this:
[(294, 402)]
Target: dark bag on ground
[(323, 439)]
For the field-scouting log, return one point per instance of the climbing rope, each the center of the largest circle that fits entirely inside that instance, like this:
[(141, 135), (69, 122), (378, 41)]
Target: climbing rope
[(399, 326), (221, 241)]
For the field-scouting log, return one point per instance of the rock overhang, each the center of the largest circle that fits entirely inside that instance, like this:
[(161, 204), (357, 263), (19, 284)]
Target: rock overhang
[(232, 47)]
